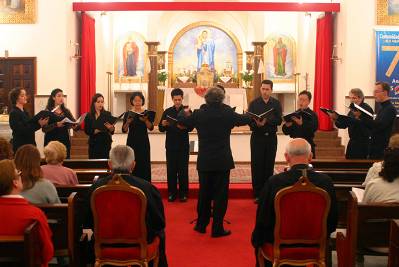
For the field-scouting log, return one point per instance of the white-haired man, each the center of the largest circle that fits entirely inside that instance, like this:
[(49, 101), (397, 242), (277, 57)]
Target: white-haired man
[(121, 161), (298, 156)]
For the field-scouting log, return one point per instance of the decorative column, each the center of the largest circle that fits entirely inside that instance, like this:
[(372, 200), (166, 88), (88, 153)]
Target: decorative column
[(258, 56), (153, 76), (161, 89)]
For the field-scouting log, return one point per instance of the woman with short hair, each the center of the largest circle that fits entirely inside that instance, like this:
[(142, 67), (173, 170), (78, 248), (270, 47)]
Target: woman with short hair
[(55, 154), (37, 190)]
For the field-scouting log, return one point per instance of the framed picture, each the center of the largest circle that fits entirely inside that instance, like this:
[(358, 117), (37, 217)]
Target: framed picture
[(130, 58), (279, 55), (17, 11), (387, 12), (204, 44)]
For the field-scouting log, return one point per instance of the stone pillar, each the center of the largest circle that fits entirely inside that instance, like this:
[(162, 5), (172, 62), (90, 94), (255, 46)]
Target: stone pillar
[(258, 55), (153, 76)]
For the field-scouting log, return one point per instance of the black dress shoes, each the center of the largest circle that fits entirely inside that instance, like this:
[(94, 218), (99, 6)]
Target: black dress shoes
[(183, 199), (199, 229), (221, 234), (171, 198)]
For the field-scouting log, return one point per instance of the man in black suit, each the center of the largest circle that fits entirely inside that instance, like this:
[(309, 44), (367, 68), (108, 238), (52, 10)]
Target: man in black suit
[(214, 122), (122, 162), (306, 124), (263, 137), (381, 126), (177, 148), (298, 155)]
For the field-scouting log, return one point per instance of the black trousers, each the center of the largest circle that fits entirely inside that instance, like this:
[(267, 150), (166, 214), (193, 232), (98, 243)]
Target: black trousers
[(263, 156), (177, 171), (214, 185)]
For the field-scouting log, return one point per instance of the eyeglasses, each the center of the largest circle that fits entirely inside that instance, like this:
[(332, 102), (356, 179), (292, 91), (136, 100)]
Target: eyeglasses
[(377, 91)]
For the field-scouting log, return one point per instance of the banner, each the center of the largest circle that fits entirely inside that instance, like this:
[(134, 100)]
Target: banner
[(387, 58)]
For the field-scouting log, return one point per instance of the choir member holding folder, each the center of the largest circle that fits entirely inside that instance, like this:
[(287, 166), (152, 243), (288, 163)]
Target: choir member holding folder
[(302, 123), (381, 126), (359, 134), (100, 128), (137, 122), (177, 147), (61, 120), (263, 137), (22, 125)]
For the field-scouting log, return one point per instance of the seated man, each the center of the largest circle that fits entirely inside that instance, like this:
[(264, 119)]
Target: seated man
[(122, 162), (298, 156), (17, 214)]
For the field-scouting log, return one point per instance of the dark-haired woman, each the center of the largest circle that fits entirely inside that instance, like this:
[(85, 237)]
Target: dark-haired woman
[(138, 136), (385, 188), (99, 129), (21, 123), (57, 130)]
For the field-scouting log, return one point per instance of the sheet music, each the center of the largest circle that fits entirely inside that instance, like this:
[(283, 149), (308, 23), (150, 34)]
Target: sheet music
[(359, 192), (363, 110)]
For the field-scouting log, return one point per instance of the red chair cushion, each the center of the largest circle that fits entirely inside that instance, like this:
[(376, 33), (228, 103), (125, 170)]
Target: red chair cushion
[(297, 253), (128, 253)]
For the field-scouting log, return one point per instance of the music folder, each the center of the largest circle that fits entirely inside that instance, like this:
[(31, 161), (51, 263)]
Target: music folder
[(364, 111), (113, 120), (259, 116), (299, 113), (149, 113), (78, 121), (42, 115), (172, 121)]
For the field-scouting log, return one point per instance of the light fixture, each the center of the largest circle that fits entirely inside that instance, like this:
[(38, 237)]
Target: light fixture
[(77, 51), (334, 57)]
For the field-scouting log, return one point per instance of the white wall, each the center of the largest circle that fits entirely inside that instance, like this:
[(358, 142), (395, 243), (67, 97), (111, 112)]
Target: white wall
[(49, 41)]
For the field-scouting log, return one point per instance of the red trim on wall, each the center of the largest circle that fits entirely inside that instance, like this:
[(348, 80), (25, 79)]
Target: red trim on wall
[(206, 6)]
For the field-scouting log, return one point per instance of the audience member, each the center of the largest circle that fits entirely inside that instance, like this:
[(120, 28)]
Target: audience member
[(122, 162), (37, 190), (17, 214), (5, 149), (385, 188), (298, 156), (374, 171), (55, 153)]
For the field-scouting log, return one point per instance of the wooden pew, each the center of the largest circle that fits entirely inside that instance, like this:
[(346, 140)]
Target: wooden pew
[(86, 176), (367, 226), (64, 191), (21, 250), (345, 176), (342, 164), (86, 163), (65, 221), (393, 258)]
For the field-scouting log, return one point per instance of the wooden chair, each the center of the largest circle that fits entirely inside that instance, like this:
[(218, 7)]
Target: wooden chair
[(368, 227), (120, 231), (21, 250), (393, 258), (300, 231)]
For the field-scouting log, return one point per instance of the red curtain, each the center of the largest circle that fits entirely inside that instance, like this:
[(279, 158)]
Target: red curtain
[(323, 95), (87, 63)]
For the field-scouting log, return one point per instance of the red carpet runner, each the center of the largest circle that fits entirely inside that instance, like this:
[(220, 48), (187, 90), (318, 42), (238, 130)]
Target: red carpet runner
[(187, 248)]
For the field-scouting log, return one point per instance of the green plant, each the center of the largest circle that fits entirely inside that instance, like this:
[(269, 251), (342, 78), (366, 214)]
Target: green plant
[(247, 76), (162, 76)]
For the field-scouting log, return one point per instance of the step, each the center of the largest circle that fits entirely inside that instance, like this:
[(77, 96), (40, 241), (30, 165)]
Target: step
[(326, 134), (330, 152), (328, 143), (79, 142)]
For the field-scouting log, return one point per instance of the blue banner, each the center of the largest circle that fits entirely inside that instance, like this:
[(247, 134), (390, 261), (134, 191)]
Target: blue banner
[(387, 58)]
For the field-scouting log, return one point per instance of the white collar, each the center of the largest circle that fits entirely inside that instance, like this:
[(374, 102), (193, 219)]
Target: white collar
[(12, 196)]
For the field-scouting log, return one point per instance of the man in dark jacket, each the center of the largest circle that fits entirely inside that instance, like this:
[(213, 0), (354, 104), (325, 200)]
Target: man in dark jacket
[(122, 162), (177, 148), (298, 155), (214, 122)]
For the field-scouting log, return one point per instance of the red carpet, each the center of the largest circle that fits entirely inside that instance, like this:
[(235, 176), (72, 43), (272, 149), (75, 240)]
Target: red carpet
[(187, 248)]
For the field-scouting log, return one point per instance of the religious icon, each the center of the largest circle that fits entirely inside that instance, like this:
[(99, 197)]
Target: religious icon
[(387, 12), (279, 55), (130, 58), (130, 54), (205, 50), (17, 11)]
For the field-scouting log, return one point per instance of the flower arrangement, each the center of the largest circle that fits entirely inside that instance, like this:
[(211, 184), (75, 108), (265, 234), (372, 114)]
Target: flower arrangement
[(162, 76), (247, 76)]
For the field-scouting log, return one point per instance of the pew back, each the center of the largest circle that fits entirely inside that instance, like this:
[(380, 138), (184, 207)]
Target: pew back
[(12, 247)]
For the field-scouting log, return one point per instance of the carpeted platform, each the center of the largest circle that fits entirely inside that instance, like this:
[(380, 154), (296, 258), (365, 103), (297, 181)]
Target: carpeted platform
[(187, 248)]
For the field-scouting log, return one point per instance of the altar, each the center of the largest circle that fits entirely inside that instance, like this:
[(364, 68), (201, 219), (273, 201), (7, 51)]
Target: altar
[(235, 97)]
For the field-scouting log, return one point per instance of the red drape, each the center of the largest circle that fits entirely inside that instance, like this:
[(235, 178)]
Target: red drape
[(323, 95), (87, 63)]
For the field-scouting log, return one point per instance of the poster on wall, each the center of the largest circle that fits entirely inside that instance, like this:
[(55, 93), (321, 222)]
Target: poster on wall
[(387, 58), (17, 11)]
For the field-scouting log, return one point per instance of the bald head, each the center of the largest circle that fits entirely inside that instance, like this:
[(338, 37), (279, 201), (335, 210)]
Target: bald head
[(298, 151)]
